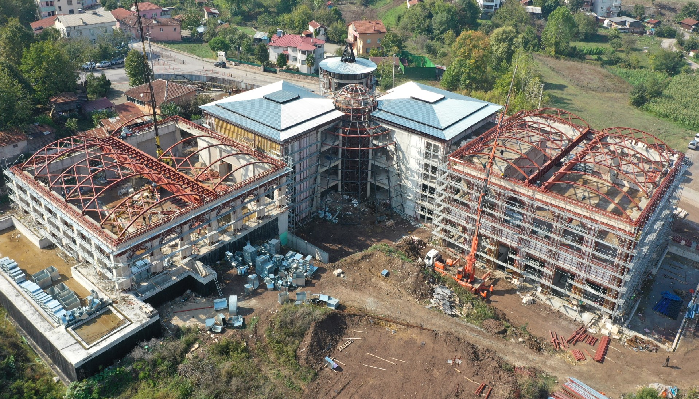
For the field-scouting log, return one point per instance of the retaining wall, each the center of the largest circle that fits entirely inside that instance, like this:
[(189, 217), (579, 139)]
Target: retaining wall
[(41, 242), (300, 245)]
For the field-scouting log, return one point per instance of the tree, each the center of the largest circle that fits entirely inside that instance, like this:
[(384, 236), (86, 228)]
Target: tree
[(51, 34), (528, 40), (48, 69), (512, 13), (547, 6), (560, 30), (14, 39), (110, 5), (645, 91), (137, 68), (639, 11), (384, 74), (469, 69), (261, 53), (502, 47), (281, 60), (587, 25), (670, 62), (191, 20), (444, 22), (416, 20), (311, 62), (645, 393), (170, 109), (24, 10), (297, 20), (468, 13), (72, 125), (575, 5), (97, 86), (337, 32), (219, 44), (15, 96), (391, 44), (688, 10)]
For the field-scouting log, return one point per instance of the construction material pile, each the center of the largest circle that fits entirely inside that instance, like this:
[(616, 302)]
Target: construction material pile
[(278, 272), (443, 299), (575, 389), (580, 335), (639, 344), (669, 305), (411, 246)]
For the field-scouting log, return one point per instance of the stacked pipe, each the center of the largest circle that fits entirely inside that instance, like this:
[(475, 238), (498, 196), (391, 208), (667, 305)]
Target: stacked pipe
[(557, 341), (578, 355), (575, 389), (573, 338), (602, 349)]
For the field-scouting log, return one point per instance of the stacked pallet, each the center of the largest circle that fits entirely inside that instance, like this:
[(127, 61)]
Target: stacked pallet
[(602, 349), (575, 389)]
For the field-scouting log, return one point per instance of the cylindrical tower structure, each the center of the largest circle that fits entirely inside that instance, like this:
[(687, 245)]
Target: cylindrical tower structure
[(337, 72)]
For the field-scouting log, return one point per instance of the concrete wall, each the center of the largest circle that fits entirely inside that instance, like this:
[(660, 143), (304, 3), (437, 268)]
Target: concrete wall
[(12, 150), (6, 223), (306, 248), (41, 242)]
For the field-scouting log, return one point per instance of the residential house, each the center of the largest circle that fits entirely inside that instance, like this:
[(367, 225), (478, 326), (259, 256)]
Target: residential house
[(100, 104), (625, 24), (43, 23), (157, 29), (259, 37), (88, 4), (49, 8), (585, 7), (89, 25), (121, 13), (535, 12), (606, 8), (210, 12), (319, 31), (653, 23), (489, 6), (65, 103), (365, 35), (12, 143), (149, 10), (164, 91), (127, 114), (297, 48), (689, 24), (411, 3)]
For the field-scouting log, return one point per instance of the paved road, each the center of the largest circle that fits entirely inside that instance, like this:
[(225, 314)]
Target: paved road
[(669, 44), (166, 61)]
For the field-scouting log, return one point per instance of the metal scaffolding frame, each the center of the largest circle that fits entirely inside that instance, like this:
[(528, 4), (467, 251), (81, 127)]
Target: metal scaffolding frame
[(567, 245)]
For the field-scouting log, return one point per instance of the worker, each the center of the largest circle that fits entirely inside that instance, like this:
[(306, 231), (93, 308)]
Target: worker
[(667, 362), (491, 289)]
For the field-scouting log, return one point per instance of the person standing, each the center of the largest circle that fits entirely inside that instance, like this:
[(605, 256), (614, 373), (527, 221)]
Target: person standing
[(667, 362)]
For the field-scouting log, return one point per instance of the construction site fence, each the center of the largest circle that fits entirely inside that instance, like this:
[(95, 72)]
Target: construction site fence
[(298, 244), (232, 83)]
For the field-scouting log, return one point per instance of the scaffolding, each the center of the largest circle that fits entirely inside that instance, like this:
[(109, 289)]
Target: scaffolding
[(357, 160), (583, 213)]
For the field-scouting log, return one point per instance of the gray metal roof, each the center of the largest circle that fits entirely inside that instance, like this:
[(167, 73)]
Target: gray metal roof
[(279, 110), (335, 65), (429, 110)]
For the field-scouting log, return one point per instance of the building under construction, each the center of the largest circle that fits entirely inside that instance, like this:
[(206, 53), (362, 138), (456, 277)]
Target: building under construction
[(143, 215), (584, 213)]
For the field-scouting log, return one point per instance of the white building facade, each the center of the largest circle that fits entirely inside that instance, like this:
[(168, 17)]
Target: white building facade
[(89, 25)]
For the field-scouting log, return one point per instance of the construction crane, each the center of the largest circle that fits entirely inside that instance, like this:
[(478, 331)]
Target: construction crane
[(153, 104), (465, 275)]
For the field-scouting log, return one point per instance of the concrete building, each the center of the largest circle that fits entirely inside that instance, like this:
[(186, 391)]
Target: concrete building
[(40, 25), (143, 222), (580, 212), (606, 8), (48, 8), (427, 124), (318, 30), (287, 122), (158, 29), (365, 35), (149, 10), (89, 25), (489, 6), (12, 144), (337, 72), (625, 25), (297, 48)]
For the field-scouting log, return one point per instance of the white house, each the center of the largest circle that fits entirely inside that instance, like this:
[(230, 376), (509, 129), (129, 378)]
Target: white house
[(89, 25), (606, 8), (318, 30), (489, 6), (297, 48)]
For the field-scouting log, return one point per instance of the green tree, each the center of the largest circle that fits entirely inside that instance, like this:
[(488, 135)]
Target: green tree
[(671, 62), (688, 10), (311, 62), (15, 96), (48, 69), (297, 20), (560, 30), (512, 13), (14, 39), (337, 32), (261, 54), (528, 40), (502, 47), (639, 11), (51, 34), (644, 393), (97, 86), (281, 60), (645, 91), (191, 20), (547, 6), (137, 68), (587, 25), (219, 44), (469, 69), (444, 22), (211, 29), (110, 5), (468, 13), (170, 109), (575, 5), (527, 89), (24, 10), (72, 125), (384, 74), (391, 44), (417, 20)]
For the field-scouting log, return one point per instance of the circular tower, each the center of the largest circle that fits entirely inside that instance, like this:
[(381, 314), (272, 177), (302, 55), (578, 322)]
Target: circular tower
[(337, 72)]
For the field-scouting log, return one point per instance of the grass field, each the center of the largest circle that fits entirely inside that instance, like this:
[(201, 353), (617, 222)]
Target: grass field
[(199, 49), (602, 99), (389, 11), (246, 29)]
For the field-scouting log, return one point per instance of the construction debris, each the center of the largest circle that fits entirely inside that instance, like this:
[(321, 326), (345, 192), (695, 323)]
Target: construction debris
[(443, 299), (575, 389), (637, 343)]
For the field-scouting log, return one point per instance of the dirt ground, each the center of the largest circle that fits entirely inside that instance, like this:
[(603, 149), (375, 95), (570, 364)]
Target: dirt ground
[(31, 259)]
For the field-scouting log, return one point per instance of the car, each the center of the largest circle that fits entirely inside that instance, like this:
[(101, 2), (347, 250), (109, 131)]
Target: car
[(88, 66), (220, 64), (117, 61), (104, 64), (693, 145)]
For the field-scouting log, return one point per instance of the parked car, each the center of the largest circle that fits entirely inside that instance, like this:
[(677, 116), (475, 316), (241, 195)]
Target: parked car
[(692, 145), (220, 64), (88, 66), (104, 64), (117, 61)]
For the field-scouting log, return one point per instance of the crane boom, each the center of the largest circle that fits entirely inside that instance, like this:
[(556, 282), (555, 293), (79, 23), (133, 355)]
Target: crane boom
[(470, 265)]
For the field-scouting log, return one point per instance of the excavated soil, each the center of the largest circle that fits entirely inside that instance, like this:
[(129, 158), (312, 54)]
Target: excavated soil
[(392, 360)]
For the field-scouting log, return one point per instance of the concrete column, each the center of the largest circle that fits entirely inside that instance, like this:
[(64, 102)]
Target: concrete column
[(260, 204), (237, 215), (212, 230), (280, 196)]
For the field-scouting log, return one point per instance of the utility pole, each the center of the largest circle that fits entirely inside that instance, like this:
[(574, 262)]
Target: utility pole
[(393, 70), (150, 53), (541, 95)]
